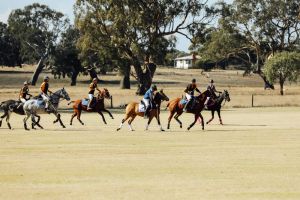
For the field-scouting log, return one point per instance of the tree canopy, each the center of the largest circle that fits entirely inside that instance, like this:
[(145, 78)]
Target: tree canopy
[(283, 66), (135, 29)]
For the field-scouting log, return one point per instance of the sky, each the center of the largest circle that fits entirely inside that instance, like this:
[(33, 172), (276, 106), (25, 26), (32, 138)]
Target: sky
[(66, 7)]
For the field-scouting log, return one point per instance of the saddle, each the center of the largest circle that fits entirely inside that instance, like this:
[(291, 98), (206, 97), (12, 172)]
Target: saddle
[(142, 107), (85, 102)]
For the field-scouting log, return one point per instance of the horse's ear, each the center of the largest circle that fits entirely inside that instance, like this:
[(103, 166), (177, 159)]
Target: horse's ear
[(162, 90)]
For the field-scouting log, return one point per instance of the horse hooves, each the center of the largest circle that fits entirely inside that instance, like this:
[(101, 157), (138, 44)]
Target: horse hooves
[(64, 126), (118, 129), (162, 130), (82, 123), (180, 125)]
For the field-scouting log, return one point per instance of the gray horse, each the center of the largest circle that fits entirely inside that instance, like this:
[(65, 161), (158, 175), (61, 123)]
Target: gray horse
[(12, 106), (34, 106)]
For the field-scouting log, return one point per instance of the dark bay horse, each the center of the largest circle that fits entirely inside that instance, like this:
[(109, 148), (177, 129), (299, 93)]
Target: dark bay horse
[(217, 104), (132, 110), (98, 107), (9, 107), (176, 107)]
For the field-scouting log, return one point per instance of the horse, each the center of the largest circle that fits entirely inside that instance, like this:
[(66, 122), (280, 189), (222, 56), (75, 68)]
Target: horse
[(98, 106), (175, 106), (132, 110), (217, 104), (33, 106), (11, 106)]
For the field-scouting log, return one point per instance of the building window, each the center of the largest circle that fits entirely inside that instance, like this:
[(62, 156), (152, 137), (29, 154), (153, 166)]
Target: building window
[(188, 62)]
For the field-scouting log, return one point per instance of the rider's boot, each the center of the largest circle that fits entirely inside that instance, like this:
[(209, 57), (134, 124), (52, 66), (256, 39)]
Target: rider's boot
[(186, 106), (146, 115), (205, 103), (89, 105)]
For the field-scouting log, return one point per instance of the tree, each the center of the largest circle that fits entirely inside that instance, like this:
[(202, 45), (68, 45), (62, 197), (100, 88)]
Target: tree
[(283, 66), (37, 28), (135, 29), (9, 48), (65, 58), (261, 27)]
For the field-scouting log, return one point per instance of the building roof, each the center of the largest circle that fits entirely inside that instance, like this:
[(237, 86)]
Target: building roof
[(189, 57)]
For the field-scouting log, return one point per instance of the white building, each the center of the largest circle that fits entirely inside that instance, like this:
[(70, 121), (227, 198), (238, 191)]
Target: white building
[(186, 61)]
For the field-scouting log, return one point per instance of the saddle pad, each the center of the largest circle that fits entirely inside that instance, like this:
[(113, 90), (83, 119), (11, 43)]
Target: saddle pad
[(41, 103), (142, 108), (183, 101), (85, 102)]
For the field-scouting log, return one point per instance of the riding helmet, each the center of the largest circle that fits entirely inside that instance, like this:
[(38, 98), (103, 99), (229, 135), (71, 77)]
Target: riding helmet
[(194, 80), (154, 87), (211, 81), (46, 77)]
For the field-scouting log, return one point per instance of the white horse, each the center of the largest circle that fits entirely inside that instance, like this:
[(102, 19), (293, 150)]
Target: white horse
[(34, 106)]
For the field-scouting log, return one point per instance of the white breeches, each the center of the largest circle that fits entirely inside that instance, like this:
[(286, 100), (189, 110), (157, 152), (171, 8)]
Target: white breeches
[(22, 100), (46, 99), (147, 102), (91, 96), (188, 96)]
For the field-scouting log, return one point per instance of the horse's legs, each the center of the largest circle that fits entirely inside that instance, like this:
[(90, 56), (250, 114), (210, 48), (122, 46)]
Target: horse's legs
[(158, 122), (58, 119), (25, 120), (195, 120), (108, 113), (219, 114), (7, 119), (74, 115), (123, 120), (170, 118), (38, 121), (33, 122), (212, 116), (78, 117), (176, 118), (130, 121), (149, 121), (100, 113), (202, 122), (2, 117)]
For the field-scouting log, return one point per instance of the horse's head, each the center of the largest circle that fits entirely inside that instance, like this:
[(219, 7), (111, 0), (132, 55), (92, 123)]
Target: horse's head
[(104, 94), (160, 96), (62, 93), (226, 95)]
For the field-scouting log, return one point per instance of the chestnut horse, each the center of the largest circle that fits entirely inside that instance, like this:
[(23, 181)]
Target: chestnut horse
[(132, 110), (176, 107), (98, 106)]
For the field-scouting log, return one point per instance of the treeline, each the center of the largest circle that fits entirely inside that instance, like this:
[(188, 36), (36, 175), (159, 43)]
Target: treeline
[(134, 36)]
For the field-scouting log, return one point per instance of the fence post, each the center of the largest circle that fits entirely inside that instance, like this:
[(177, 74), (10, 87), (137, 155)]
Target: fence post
[(111, 102), (252, 102)]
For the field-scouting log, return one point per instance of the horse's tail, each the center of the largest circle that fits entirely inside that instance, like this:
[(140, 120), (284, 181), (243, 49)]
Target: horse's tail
[(167, 106), (70, 102)]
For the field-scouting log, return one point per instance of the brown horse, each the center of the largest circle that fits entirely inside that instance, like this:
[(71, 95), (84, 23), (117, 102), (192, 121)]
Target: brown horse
[(132, 110), (176, 107), (98, 106)]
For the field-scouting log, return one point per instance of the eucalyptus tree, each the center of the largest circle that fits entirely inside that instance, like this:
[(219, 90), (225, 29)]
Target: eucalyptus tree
[(37, 27), (135, 29)]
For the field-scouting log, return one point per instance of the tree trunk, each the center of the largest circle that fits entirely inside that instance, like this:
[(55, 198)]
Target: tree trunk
[(144, 76), (38, 69), (93, 73), (74, 77), (281, 82), (125, 80)]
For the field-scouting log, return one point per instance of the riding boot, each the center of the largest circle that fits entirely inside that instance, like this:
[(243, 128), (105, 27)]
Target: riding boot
[(89, 105), (186, 107), (146, 115)]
